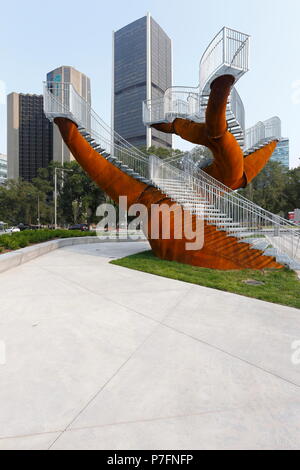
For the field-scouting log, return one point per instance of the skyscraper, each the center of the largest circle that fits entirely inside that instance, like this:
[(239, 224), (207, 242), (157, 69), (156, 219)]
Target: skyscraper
[(29, 136), (282, 152), (142, 70), (82, 85), (3, 168)]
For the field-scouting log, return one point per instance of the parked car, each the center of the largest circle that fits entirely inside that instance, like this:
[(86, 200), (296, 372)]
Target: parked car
[(23, 227), (13, 230), (81, 227)]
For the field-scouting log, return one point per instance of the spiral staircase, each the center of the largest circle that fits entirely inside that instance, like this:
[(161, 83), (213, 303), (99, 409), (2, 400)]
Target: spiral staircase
[(227, 212), (262, 134), (227, 54)]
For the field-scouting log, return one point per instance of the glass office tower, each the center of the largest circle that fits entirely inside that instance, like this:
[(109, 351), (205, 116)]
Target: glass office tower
[(82, 84), (282, 152), (29, 136), (3, 168), (142, 69)]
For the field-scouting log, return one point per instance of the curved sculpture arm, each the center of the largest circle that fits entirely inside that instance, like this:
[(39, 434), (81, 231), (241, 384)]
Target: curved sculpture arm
[(229, 165), (256, 161), (110, 178)]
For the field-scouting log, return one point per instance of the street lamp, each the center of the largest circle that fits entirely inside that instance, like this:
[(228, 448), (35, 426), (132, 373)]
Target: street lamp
[(55, 192), (38, 211)]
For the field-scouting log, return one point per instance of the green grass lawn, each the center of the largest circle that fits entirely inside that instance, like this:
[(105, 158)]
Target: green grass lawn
[(279, 286)]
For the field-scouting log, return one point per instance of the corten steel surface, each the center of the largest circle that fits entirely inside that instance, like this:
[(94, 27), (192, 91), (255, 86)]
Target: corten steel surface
[(219, 251), (229, 166)]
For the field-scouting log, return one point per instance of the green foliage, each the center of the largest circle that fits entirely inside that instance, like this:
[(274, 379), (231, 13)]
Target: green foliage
[(279, 286), (19, 202), (292, 189), (160, 151), (78, 198), (276, 189), (30, 237)]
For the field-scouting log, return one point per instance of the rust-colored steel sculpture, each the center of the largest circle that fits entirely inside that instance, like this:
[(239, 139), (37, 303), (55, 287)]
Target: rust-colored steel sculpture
[(220, 251), (229, 166)]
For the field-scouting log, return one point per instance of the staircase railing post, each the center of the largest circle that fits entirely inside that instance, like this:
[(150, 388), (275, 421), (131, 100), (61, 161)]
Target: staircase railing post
[(224, 45)]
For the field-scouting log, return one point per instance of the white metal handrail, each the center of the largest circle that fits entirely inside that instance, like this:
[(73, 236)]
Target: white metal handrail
[(188, 103), (236, 108), (246, 218), (211, 61), (178, 102), (227, 54), (271, 128), (67, 100), (197, 173), (64, 101)]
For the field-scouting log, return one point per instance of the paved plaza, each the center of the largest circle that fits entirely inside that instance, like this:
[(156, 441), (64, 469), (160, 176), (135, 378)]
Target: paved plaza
[(101, 357)]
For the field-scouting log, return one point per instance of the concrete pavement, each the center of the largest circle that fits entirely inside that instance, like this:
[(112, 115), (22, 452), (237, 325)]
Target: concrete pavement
[(101, 357)]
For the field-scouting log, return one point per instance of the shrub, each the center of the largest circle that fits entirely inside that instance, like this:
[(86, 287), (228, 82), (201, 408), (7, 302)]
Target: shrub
[(30, 237)]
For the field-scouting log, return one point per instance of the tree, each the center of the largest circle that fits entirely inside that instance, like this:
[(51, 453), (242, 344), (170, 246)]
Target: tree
[(22, 202), (293, 189), (79, 196), (275, 189), (160, 152), (269, 189)]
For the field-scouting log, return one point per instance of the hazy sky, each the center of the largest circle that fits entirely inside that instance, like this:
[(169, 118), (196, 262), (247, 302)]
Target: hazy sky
[(37, 36)]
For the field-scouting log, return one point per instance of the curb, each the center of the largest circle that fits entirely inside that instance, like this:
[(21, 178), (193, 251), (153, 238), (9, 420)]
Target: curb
[(19, 257)]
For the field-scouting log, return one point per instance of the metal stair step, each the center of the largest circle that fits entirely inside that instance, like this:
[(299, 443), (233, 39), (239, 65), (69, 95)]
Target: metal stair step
[(222, 218), (192, 202), (271, 252), (117, 163), (257, 243), (198, 205), (145, 180), (284, 259), (213, 212), (229, 224), (295, 265), (241, 235), (262, 245)]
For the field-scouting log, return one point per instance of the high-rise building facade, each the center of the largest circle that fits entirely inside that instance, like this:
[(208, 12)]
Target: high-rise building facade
[(142, 70), (82, 85), (3, 168), (29, 136), (282, 152)]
